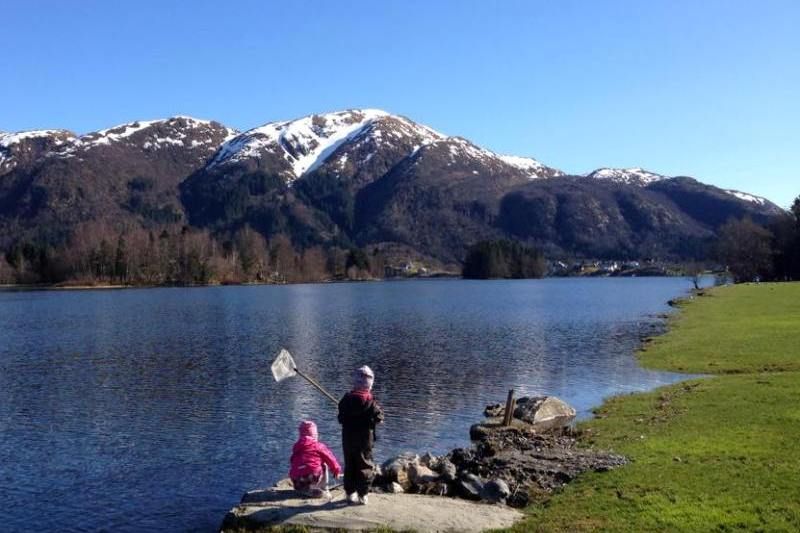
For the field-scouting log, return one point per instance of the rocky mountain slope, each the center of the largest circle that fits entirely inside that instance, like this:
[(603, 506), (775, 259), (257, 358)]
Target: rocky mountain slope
[(350, 178), (128, 174)]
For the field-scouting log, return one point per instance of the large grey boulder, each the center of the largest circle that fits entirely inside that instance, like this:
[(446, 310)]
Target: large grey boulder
[(494, 410), (394, 488), (435, 488), (429, 460), (397, 469), (419, 474), (482, 430), (495, 491), (544, 412), (447, 470)]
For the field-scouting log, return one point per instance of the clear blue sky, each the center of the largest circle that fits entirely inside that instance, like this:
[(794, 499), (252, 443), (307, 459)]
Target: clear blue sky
[(704, 88)]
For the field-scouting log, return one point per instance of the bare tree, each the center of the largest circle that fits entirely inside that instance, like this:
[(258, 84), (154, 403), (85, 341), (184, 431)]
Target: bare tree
[(282, 258), (694, 271), (141, 257), (745, 247), (88, 256), (313, 264), (253, 255), (377, 264), (337, 263), (6, 272)]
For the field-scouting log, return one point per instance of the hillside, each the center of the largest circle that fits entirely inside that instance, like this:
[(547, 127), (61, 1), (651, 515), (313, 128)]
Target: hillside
[(355, 178)]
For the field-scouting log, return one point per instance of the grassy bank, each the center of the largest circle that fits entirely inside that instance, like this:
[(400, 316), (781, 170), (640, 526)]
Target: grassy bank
[(719, 453)]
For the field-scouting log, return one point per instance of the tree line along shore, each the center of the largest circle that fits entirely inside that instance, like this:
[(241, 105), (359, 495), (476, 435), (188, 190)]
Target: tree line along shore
[(100, 254), (712, 453)]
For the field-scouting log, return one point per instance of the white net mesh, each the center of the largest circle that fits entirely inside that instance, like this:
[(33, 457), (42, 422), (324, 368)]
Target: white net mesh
[(283, 366)]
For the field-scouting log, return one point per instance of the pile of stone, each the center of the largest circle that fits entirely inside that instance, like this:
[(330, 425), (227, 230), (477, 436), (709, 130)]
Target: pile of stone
[(535, 453), (438, 476)]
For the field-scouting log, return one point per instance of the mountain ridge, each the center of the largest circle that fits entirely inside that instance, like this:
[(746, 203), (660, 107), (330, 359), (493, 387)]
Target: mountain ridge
[(634, 175), (356, 177)]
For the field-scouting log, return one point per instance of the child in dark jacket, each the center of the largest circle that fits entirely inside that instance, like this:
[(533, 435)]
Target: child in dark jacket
[(310, 462), (359, 413)]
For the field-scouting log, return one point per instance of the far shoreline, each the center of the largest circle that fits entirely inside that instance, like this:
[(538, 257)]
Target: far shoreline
[(33, 287), (66, 286)]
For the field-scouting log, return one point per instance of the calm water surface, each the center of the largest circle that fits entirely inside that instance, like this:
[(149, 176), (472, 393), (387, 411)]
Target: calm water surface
[(155, 409)]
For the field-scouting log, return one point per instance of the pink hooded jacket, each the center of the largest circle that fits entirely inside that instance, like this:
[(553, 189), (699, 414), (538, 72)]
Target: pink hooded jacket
[(308, 454)]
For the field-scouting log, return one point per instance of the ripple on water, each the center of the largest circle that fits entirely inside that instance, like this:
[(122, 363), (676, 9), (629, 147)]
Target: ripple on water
[(155, 409)]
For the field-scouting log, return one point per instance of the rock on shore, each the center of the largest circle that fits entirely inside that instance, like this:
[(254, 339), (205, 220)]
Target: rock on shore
[(536, 453), (263, 509), (540, 413)]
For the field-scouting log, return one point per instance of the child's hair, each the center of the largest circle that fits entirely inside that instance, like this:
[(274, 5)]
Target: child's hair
[(308, 428)]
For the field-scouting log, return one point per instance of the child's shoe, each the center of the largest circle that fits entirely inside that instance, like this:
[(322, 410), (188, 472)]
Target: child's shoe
[(352, 499), (363, 500)]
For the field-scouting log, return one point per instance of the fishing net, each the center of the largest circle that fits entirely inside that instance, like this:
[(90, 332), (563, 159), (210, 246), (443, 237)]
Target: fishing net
[(283, 366)]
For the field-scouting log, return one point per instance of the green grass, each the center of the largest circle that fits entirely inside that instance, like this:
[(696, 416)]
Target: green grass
[(745, 328), (719, 453)]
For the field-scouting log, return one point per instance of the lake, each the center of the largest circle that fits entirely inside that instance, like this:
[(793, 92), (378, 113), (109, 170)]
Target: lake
[(155, 409)]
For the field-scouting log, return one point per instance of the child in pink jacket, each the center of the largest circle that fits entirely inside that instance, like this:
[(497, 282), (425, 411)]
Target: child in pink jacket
[(311, 460)]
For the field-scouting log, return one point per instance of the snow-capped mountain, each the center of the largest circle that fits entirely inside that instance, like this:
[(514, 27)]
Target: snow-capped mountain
[(127, 171), (200, 137), (182, 131), (533, 168), (461, 151), (348, 178), (628, 176), (27, 146), (758, 200), (345, 140), (303, 143), (642, 178), (308, 143), (9, 140)]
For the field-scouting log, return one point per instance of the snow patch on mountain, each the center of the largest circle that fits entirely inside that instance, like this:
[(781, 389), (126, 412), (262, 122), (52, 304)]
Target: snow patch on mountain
[(174, 131), (179, 124), (459, 148), (117, 133), (158, 142), (409, 128), (747, 197), (630, 176), (533, 168), (10, 140), (305, 142), (385, 132)]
